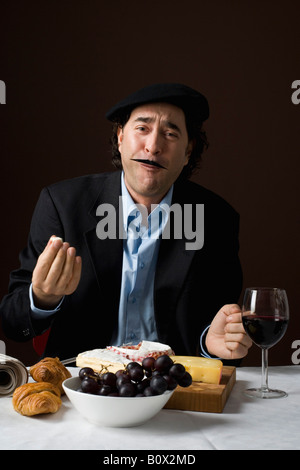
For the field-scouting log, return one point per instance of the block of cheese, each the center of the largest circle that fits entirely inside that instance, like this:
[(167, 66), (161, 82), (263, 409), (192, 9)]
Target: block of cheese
[(202, 369), (113, 358)]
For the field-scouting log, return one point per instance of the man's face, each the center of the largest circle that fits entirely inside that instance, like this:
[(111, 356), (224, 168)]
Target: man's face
[(154, 148)]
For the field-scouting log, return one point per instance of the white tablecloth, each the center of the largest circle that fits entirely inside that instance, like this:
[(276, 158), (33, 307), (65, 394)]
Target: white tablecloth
[(245, 423)]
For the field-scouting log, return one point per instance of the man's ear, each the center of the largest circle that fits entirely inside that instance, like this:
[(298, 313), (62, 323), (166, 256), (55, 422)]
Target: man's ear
[(189, 150), (120, 135)]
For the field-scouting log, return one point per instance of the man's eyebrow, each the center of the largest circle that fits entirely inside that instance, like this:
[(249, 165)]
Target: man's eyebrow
[(173, 126), (168, 124), (144, 119)]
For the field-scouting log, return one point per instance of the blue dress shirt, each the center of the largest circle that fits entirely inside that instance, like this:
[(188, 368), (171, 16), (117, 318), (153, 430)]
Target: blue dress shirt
[(136, 320)]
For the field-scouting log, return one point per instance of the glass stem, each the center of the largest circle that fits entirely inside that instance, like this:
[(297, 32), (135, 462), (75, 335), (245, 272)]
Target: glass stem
[(264, 371)]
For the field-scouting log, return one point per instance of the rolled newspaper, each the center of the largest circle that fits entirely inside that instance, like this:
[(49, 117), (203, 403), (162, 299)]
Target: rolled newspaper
[(13, 374)]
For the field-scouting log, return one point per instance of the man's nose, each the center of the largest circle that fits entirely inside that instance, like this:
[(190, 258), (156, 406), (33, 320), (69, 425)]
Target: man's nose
[(154, 143)]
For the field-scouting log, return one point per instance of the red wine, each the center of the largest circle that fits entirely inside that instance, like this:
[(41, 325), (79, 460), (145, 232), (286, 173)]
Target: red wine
[(263, 330)]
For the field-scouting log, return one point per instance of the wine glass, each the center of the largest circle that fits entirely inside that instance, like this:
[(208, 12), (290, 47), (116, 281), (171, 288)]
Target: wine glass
[(265, 316)]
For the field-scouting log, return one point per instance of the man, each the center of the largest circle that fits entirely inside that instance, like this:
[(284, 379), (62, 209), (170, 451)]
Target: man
[(112, 283)]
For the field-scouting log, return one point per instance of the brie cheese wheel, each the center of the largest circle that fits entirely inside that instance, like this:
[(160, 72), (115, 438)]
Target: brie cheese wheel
[(143, 349), (113, 358), (101, 360)]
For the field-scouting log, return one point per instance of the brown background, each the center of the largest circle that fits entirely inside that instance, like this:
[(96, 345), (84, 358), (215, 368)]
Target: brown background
[(66, 62)]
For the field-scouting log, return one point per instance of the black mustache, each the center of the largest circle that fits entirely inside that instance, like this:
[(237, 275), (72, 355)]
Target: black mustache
[(149, 162)]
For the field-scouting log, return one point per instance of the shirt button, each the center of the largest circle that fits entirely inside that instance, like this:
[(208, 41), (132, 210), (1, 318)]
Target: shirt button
[(142, 265)]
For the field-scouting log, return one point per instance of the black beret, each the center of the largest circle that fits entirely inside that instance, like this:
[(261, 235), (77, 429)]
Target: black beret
[(193, 103)]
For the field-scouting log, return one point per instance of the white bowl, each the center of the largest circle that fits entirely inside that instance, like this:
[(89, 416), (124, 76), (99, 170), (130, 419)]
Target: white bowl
[(114, 411)]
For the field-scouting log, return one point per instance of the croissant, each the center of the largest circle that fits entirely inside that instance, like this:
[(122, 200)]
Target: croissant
[(36, 398), (51, 370)]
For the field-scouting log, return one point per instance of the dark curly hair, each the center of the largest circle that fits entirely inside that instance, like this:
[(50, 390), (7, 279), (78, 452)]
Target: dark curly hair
[(195, 133)]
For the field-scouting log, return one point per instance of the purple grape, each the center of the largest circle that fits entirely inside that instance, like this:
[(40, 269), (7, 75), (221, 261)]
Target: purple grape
[(132, 364), (148, 392), (109, 378), (148, 363), (136, 373), (89, 385), (156, 372), (171, 382), (158, 385), (105, 390), (140, 386), (177, 371), (127, 390), (163, 363), (85, 372), (185, 380), (121, 380), (120, 372)]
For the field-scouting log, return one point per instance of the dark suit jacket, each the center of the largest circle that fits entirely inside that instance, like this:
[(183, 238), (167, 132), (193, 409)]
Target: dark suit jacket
[(190, 286)]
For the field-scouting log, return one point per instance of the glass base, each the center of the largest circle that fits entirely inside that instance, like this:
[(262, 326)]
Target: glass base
[(264, 393)]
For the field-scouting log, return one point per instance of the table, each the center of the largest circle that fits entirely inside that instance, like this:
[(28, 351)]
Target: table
[(245, 423)]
